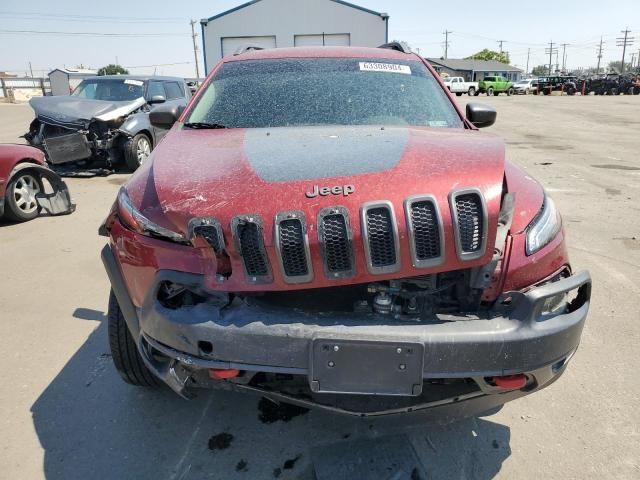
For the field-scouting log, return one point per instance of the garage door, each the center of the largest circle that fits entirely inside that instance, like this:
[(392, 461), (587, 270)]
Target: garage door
[(326, 39), (230, 45)]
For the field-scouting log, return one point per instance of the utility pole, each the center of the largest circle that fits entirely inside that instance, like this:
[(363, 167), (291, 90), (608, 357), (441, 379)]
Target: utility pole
[(501, 42), (195, 49), (528, 55), (599, 56), (624, 42), (446, 43), (564, 57), (31, 69), (551, 51)]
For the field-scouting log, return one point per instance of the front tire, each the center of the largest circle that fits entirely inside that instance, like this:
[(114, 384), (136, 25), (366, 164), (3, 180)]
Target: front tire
[(137, 150), (124, 351), (472, 92), (20, 200), (490, 92), (510, 91)]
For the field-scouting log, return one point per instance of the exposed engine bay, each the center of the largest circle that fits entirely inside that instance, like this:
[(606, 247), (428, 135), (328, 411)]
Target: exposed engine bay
[(70, 130)]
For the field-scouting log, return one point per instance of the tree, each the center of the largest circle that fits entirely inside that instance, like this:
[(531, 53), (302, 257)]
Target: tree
[(540, 70), (615, 66), (486, 54), (112, 69)]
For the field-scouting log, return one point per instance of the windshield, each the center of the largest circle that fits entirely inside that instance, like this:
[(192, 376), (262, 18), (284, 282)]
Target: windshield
[(110, 89), (523, 82), (324, 91)]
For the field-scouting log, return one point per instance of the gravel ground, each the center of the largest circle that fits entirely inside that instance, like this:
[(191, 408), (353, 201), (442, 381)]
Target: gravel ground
[(67, 415)]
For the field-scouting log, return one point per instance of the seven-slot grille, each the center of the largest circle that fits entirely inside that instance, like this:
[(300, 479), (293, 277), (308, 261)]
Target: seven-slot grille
[(379, 234), (292, 247), (334, 236)]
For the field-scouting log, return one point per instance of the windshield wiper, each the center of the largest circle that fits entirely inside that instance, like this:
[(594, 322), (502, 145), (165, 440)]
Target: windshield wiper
[(204, 125)]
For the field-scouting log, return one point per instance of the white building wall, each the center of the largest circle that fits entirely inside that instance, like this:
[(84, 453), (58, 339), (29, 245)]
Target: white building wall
[(284, 19)]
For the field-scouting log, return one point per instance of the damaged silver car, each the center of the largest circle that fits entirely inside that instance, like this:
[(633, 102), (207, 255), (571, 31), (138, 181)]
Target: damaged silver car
[(105, 120)]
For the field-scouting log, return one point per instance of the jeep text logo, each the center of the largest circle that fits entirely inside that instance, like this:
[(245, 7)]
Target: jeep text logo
[(335, 190)]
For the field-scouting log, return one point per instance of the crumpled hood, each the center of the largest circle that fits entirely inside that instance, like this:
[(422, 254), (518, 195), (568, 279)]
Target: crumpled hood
[(223, 173), (69, 110)]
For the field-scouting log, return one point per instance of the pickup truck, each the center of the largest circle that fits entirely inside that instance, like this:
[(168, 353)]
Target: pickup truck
[(495, 86), (458, 86)]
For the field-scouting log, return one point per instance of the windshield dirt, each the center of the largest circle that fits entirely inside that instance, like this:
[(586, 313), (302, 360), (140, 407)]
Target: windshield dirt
[(111, 89), (326, 91)]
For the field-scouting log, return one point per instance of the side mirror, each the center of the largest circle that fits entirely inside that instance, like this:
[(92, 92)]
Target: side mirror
[(481, 115), (165, 116), (157, 99)]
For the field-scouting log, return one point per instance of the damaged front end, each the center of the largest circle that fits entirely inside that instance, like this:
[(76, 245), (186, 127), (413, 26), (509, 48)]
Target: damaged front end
[(71, 130)]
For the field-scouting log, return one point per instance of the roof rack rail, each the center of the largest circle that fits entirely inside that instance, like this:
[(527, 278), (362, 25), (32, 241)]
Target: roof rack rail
[(394, 46), (247, 48)]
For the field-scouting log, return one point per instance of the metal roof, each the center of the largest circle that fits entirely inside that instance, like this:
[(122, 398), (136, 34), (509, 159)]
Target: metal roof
[(473, 65), (247, 4)]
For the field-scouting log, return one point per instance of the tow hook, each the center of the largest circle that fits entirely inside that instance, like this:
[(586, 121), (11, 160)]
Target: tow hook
[(511, 382), (223, 373)]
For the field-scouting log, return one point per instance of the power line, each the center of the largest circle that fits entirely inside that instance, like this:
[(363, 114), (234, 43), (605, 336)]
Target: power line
[(624, 42), (95, 34), (90, 18)]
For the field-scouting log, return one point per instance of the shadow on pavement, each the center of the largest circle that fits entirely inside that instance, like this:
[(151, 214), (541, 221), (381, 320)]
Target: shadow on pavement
[(92, 425)]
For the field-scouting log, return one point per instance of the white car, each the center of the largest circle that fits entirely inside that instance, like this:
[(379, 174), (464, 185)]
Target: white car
[(526, 87), (458, 86)]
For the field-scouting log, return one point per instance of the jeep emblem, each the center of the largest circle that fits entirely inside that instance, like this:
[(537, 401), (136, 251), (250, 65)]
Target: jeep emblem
[(335, 190)]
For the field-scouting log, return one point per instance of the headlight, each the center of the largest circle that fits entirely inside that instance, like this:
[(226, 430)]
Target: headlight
[(132, 218), (544, 227)]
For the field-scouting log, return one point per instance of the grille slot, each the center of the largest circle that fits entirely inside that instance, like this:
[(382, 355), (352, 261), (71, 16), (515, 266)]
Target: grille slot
[(381, 237), (250, 246), (470, 221), (293, 247), (210, 230), (334, 236), (425, 230)]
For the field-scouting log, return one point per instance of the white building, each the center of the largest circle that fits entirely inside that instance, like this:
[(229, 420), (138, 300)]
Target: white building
[(64, 80), (291, 23)]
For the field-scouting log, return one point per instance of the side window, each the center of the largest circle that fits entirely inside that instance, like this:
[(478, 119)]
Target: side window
[(155, 88), (173, 90)]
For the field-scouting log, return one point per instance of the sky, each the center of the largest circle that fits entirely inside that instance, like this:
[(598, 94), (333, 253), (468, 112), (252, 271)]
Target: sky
[(155, 37)]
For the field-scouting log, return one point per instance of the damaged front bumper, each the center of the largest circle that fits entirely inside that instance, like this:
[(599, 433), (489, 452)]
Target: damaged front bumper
[(457, 360)]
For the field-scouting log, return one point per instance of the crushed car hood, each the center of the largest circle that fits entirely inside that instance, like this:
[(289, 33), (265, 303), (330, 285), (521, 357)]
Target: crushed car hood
[(223, 173), (75, 111)]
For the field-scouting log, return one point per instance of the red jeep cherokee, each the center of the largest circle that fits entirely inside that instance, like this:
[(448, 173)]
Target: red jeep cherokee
[(324, 227)]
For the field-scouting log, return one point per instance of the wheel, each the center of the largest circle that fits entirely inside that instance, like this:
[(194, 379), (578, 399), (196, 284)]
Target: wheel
[(490, 92), (137, 150), (124, 352), (472, 92), (510, 91), (527, 91), (613, 91), (458, 94), (571, 91), (20, 202)]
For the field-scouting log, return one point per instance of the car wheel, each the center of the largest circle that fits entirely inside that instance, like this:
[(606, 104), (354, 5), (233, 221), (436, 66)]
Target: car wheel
[(137, 150), (124, 351), (510, 91), (613, 91), (527, 91), (458, 94), (490, 92), (20, 198), (472, 92)]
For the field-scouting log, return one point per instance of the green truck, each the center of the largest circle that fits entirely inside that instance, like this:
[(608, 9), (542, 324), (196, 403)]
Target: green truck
[(495, 86)]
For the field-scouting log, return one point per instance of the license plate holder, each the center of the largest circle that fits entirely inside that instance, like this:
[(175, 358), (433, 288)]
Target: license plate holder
[(366, 367)]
